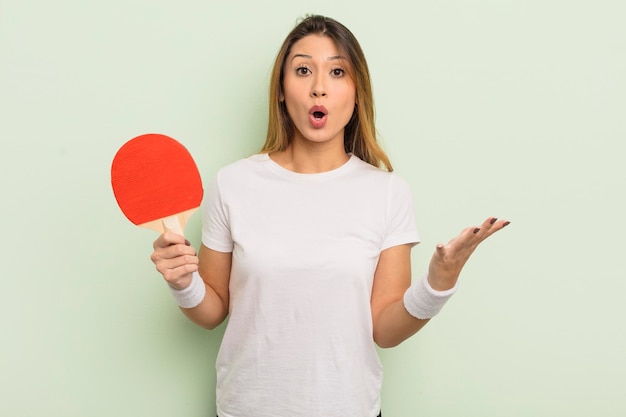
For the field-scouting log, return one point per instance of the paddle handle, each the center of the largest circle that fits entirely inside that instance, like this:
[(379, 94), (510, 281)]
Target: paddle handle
[(173, 225)]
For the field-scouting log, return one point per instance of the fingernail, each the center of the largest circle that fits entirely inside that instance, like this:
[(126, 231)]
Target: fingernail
[(188, 243), (506, 224), (495, 219), (476, 230)]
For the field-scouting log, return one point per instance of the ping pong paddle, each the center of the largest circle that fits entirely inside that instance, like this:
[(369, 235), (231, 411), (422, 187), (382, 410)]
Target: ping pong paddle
[(156, 182)]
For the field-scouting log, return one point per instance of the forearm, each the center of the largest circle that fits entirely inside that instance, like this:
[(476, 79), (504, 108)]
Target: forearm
[(403, 317), (211, 311), (214, 268), (394, 324), (399, 318)]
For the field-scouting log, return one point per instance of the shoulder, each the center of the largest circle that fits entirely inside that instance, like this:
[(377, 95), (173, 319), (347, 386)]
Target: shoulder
[(244, 165), (378, 177), (241, 169), (239, 177)]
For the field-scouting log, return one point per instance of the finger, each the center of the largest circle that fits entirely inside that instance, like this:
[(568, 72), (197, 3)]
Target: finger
[(492, 225), (469, 233), (489, 227), (168, 253), (177, 251), (488, 223), (166, 239), (172, 268), (440, 250), (440, 255), (482, 231), (169, 238), (179, 277), (173, 263), (466, 241), (471, 237), (175, 238)]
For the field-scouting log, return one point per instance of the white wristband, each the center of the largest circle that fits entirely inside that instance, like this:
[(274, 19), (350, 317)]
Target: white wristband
[(192, 295), (423, 302)]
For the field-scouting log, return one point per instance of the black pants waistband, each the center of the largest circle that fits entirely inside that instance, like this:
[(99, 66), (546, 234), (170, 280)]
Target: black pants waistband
[(379, 414)]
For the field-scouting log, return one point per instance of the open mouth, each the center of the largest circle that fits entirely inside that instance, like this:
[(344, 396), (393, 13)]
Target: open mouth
[(318, 116)]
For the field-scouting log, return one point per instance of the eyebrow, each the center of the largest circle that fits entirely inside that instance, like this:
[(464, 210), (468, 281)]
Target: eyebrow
[(330, 58)]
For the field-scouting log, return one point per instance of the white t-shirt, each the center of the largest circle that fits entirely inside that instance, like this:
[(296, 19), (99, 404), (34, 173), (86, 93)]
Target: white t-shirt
[(305, 248)]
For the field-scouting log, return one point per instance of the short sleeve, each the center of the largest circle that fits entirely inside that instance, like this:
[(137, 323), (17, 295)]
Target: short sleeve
[(215, 222), (400, 218)]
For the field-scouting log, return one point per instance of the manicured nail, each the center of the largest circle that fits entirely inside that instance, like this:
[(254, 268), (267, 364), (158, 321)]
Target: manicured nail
[(188, 243), (492, 221), (506, 224), (476, 230)]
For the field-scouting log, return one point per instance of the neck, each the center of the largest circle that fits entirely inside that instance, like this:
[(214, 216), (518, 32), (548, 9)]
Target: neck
[(310, 159)]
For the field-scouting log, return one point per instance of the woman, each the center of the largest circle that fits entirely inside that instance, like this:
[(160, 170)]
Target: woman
[(306, 246)]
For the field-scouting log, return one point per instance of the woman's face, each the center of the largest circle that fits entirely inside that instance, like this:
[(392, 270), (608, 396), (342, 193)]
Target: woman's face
[(318, 92)]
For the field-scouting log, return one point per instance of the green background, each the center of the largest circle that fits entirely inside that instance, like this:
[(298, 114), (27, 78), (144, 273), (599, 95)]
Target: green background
[(507, 108)]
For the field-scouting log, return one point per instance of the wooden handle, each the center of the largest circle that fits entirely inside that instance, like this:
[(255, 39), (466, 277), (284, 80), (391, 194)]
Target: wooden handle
[(174, 223)]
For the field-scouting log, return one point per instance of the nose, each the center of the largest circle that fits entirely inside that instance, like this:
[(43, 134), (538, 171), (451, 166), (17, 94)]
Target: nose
[(318, 89), (318, 92)]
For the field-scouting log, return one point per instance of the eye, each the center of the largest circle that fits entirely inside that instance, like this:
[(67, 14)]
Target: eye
[(303, 71), (338, 72)]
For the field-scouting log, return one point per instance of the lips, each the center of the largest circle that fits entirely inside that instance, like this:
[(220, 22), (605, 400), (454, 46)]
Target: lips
[(318, 116)]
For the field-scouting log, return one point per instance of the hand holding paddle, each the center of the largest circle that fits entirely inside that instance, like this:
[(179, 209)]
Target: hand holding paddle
[(156, 183)]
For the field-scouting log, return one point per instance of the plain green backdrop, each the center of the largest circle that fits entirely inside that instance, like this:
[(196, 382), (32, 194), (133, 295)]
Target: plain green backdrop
[(507, 108)]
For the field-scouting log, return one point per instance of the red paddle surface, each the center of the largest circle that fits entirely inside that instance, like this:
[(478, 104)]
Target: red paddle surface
[(153, 177)]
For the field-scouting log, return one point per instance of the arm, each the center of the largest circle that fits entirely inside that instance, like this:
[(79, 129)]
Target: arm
[(392, 322), (176, 261), (214, 268)]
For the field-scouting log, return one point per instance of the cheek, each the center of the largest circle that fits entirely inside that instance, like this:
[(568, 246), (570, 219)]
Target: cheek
[(349, 92), (292, 91), (293, 108), (349, 99)]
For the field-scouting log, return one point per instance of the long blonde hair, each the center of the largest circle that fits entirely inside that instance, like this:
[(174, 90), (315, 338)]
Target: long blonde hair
[(360, 136)]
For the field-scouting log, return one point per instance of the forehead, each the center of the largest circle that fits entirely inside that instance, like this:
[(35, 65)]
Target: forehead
[(317, 46)]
